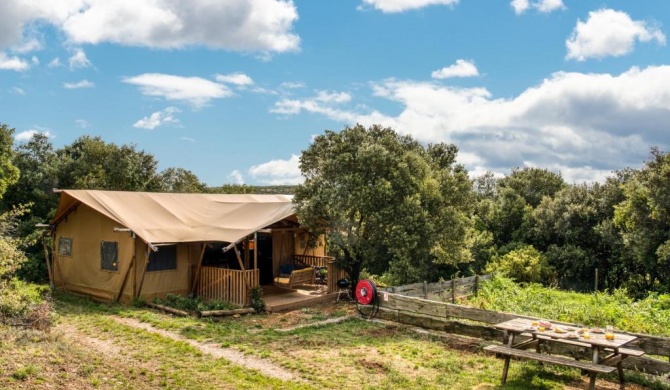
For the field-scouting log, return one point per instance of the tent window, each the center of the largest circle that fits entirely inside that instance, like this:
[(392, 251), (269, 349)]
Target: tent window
[(109, 256), (64, 246), (164, 259)]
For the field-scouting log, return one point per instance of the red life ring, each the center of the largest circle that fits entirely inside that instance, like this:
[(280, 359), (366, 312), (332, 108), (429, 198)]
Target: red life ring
[(366, 292)]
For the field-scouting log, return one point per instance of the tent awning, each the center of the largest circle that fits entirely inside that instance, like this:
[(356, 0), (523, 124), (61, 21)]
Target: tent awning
[(174, 218)]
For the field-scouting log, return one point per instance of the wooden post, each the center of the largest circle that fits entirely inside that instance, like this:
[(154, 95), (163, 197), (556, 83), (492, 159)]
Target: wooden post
[(125, 278), (196, 277), (425, 289), (46, 257), (255, 250), (144, 272), (596, 285), (246, 252), (453, 290), (476, 289), (239, 259)]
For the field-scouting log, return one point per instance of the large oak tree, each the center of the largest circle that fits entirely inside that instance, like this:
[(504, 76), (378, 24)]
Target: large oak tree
[(386, 202)]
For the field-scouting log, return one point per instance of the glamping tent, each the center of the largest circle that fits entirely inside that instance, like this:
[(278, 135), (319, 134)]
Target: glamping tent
[(115, 245)]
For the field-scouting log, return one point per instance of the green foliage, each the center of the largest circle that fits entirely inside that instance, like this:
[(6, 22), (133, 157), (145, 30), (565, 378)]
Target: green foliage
[(532, 184), (644, 218), (256, 296), (179, 180), (650, 315), (524, 265), (192, 304), (9, 174), (387, 203)]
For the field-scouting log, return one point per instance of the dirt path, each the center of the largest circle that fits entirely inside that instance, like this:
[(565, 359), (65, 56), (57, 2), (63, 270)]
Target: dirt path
[(263, 366), (324, 322)]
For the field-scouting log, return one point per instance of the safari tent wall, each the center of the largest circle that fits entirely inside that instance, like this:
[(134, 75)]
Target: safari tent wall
[(80, 270)]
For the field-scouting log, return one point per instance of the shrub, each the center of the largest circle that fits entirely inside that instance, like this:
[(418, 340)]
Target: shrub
[(256, 296), (524, 265)]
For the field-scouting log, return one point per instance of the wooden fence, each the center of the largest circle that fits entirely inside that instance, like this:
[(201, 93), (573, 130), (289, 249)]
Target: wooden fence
[(443, 316), (314, 261), (448, 290), (227, 285)]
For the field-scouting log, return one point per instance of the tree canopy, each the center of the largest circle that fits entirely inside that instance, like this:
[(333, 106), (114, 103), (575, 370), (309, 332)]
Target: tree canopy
[(387, 202)]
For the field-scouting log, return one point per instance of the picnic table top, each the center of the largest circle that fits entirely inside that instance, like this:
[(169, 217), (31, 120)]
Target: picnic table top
[(596, 339)]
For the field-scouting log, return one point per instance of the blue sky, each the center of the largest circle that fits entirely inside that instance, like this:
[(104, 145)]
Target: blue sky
[(235, 90)]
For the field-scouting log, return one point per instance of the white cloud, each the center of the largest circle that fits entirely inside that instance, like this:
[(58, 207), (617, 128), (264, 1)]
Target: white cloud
[(592, 123), (236, 177), (79, 60), (54, 63), (544, 6), (239, 79), (292, 85), (189, 139), (13, 63), (250, 25), (461, 68), (278, 172), (158, 118), (79, 85), (609, 33), (389, 6), (317, 104), (35, 60), (193, 90), (82, 123), (27, 46), (18, 91), (27, 135)]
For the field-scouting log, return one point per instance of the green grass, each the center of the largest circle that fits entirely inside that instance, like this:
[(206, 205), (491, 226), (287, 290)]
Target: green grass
[(352, 354), (650, 315)]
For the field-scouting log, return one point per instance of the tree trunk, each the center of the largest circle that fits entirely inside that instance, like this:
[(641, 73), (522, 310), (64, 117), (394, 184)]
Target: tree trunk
[(354, 271)]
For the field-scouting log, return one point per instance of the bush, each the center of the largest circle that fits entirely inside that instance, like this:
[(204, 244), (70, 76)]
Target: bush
[(26, 304), (192, 304), (524, 265), (256, 296)]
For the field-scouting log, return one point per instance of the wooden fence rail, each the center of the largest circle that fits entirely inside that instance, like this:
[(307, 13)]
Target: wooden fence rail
[(443, 316), (314, 261), (448, 290), (227, 285)]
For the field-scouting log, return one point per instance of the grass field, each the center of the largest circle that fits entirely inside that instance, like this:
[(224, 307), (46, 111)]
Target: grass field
[(120, 347)]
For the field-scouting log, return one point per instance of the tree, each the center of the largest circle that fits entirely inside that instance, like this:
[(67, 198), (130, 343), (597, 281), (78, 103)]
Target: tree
[(388, 203), (180, 180), (91, 163), (8, 172), (36, 159), (644, 219), (532, 184)]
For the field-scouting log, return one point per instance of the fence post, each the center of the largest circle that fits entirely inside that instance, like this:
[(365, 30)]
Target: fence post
[(476, 284), (453, 290), (425, 290)]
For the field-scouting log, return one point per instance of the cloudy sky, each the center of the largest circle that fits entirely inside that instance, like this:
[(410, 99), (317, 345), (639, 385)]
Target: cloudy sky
[(234, 90)]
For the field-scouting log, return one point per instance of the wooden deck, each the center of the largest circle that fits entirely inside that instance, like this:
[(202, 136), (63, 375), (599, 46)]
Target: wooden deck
[(279, 299)]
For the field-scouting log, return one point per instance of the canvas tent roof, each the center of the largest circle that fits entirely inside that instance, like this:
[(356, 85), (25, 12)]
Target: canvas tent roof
[(172, 218)]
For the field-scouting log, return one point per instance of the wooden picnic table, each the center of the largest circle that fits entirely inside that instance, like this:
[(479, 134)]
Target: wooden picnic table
[(614, 349)]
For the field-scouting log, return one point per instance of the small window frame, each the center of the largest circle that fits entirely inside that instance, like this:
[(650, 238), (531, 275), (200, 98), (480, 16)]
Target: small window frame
[(65, 246), (109, 256)]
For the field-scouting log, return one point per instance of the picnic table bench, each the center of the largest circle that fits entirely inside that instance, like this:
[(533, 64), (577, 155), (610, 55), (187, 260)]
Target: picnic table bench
[(596, 342)]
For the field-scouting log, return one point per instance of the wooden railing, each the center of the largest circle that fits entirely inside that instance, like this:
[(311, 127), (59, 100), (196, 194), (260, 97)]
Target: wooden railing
[(445, 291), (314, 261), (227, 285)]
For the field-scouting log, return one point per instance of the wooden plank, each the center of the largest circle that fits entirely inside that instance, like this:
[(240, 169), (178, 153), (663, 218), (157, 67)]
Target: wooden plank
[(422, 306), (46, 257), (125, 279), (558, 360), (196, 277)]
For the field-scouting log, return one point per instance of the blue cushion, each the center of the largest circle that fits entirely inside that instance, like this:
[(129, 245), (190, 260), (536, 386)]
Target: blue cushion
[(286, 268)]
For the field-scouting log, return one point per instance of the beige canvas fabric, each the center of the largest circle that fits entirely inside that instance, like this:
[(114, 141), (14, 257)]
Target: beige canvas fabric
[(179, 218)]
